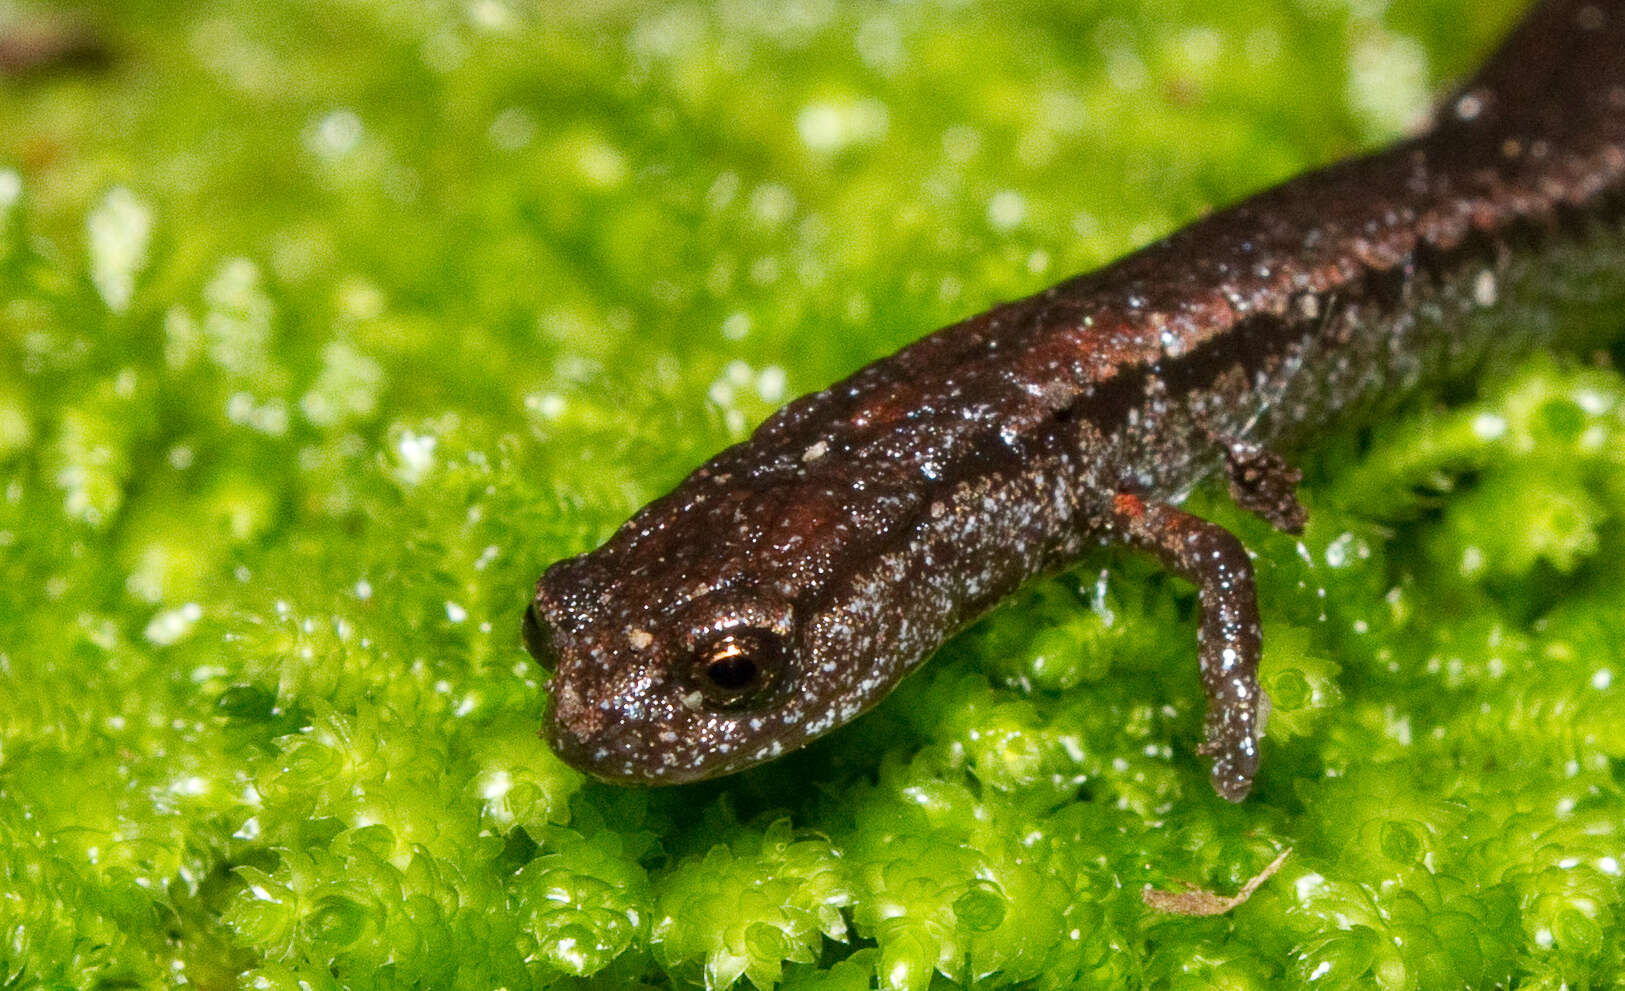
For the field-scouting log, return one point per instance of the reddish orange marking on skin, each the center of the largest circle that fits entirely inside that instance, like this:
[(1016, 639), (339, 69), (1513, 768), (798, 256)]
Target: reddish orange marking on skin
[(1128, 504)]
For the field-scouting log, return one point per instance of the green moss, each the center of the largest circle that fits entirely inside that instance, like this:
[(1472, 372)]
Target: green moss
[(325, 328), (748, 911)]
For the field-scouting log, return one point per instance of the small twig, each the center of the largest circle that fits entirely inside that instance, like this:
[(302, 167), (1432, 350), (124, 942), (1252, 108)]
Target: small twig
[(1198, 901), (39, 46)]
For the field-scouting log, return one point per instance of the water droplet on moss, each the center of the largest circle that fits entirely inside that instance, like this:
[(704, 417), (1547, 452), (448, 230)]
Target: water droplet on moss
[(1401, 842), (337, 920), (980, 909), (1290, 690)]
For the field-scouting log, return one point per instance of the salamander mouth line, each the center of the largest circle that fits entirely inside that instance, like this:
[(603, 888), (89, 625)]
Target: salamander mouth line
[(898, 505)]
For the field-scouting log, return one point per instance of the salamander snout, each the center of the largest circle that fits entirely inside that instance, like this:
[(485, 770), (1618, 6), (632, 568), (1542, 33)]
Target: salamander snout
[(538, 638)]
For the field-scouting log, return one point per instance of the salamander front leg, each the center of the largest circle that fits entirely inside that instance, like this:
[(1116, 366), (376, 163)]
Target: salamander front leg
[(1213, 559)]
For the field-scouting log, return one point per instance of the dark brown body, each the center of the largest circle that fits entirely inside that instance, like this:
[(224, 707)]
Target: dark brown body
[(861, 526)]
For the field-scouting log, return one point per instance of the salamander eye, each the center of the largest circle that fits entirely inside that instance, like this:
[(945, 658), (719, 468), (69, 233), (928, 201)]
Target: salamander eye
[(539, 639), (740, 668)]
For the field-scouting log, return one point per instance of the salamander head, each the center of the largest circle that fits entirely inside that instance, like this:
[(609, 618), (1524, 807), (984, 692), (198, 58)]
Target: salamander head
[(677, 660), (695, 695)]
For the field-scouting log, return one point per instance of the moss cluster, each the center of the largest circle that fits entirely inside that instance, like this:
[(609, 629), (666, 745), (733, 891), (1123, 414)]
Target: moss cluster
[(325, 327)]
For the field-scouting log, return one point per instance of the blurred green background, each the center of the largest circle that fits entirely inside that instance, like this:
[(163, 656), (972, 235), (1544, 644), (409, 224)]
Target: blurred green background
[(325, 327)]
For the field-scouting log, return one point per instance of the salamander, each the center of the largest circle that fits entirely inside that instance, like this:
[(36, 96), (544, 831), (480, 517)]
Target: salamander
[(790, 582)]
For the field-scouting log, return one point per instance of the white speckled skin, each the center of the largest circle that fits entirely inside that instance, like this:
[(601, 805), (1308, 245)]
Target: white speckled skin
[(861, 526)]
